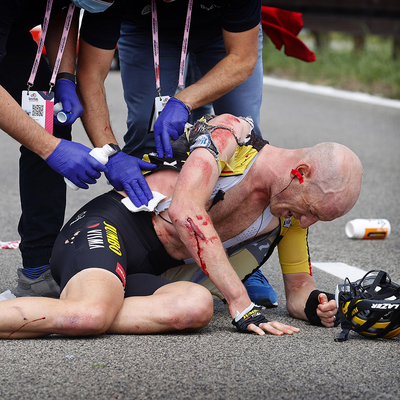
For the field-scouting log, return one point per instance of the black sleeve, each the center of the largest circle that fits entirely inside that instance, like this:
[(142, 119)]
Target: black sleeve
[(17, 18), (10, 11), (102, 29), (240, 15)]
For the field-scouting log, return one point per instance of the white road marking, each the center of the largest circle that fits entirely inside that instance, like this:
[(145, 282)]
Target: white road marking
[(329, 91), (341, 270)]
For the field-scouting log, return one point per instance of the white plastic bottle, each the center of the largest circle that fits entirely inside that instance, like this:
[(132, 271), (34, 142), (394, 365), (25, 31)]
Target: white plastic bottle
[(368, 229), (60, 114), (101, 154)]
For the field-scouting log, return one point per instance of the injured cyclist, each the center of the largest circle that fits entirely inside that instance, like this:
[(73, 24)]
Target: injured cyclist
[(216, 216)]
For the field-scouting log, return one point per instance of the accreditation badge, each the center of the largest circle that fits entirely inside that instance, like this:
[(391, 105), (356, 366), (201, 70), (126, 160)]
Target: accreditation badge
[(39, 106), (158, 106)]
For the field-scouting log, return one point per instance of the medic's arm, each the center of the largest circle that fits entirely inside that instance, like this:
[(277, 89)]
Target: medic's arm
[(99, 35), (237, 66), (93, 66), (16, 122)]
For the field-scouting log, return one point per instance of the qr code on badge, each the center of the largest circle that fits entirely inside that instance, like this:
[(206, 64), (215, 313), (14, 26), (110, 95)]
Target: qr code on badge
[(37, 110)]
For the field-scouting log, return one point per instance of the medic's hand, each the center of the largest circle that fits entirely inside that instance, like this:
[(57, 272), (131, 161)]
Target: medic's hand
[(170, 125), (251, 320), (327, 311), (124, 173), (65, 92), (73, 161)]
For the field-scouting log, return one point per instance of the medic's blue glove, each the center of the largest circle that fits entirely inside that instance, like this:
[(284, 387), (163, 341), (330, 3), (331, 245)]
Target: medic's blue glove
[(73, 161), (170, 125), (124, 173), (65, 91)]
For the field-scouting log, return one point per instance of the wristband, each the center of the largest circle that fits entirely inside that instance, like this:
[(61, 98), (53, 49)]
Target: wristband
[(116, 149), (251, 315), (312, 305), (186, 106), (66, 75)]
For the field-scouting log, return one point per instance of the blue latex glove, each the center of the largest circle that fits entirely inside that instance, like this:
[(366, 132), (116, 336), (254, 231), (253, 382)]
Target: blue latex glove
[(73, 161), (170, 125), (125, 173), (65, 92)]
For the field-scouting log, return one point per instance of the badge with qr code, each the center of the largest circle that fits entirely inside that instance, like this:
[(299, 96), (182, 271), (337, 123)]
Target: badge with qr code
[(39, 106), (158, 106)]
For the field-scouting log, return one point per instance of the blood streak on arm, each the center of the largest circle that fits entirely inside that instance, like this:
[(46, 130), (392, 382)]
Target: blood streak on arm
[(206, 218), (198, 234), (195, 229), (29, 322)]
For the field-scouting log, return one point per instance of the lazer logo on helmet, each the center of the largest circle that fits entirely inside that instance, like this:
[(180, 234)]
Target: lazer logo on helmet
[(385, 306), (369, 306)]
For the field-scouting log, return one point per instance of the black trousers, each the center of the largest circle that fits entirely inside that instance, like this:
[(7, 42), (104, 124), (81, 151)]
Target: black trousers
[(42, 190)]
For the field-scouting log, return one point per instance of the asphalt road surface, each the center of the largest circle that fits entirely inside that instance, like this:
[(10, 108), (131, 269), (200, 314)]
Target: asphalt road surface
[(218, 362)]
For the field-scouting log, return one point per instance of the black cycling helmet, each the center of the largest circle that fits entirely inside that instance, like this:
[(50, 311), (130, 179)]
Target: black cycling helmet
[(369, 306)]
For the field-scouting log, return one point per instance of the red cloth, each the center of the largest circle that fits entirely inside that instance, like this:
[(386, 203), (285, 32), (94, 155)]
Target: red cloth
[(282, 27)]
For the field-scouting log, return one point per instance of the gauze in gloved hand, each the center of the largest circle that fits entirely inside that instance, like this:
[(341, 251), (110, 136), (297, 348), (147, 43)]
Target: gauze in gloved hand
[(124, 172), (170, 125), (65, 92), (73, 161)]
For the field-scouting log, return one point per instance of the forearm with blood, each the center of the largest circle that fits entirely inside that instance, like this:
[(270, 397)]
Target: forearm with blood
[(206, 248), (198, 239)]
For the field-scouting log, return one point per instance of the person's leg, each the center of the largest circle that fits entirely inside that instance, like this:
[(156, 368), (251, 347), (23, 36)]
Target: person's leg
[(42, 190), (245, 100), (137, 74), (87, 306), (177, 306), (138, 80)]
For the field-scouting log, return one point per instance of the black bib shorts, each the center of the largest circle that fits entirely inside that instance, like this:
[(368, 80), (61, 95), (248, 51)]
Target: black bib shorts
[(105, 234)]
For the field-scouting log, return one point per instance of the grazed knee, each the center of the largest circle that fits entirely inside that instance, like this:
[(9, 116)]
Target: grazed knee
[(193, 310), (84, 320)]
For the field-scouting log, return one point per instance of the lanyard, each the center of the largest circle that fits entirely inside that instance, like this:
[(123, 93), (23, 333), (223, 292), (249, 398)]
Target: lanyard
[(156, 54), (61, 48)]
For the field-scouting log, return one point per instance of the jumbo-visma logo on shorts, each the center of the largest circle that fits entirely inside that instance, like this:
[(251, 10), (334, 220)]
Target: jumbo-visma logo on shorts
[(112, 238)]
